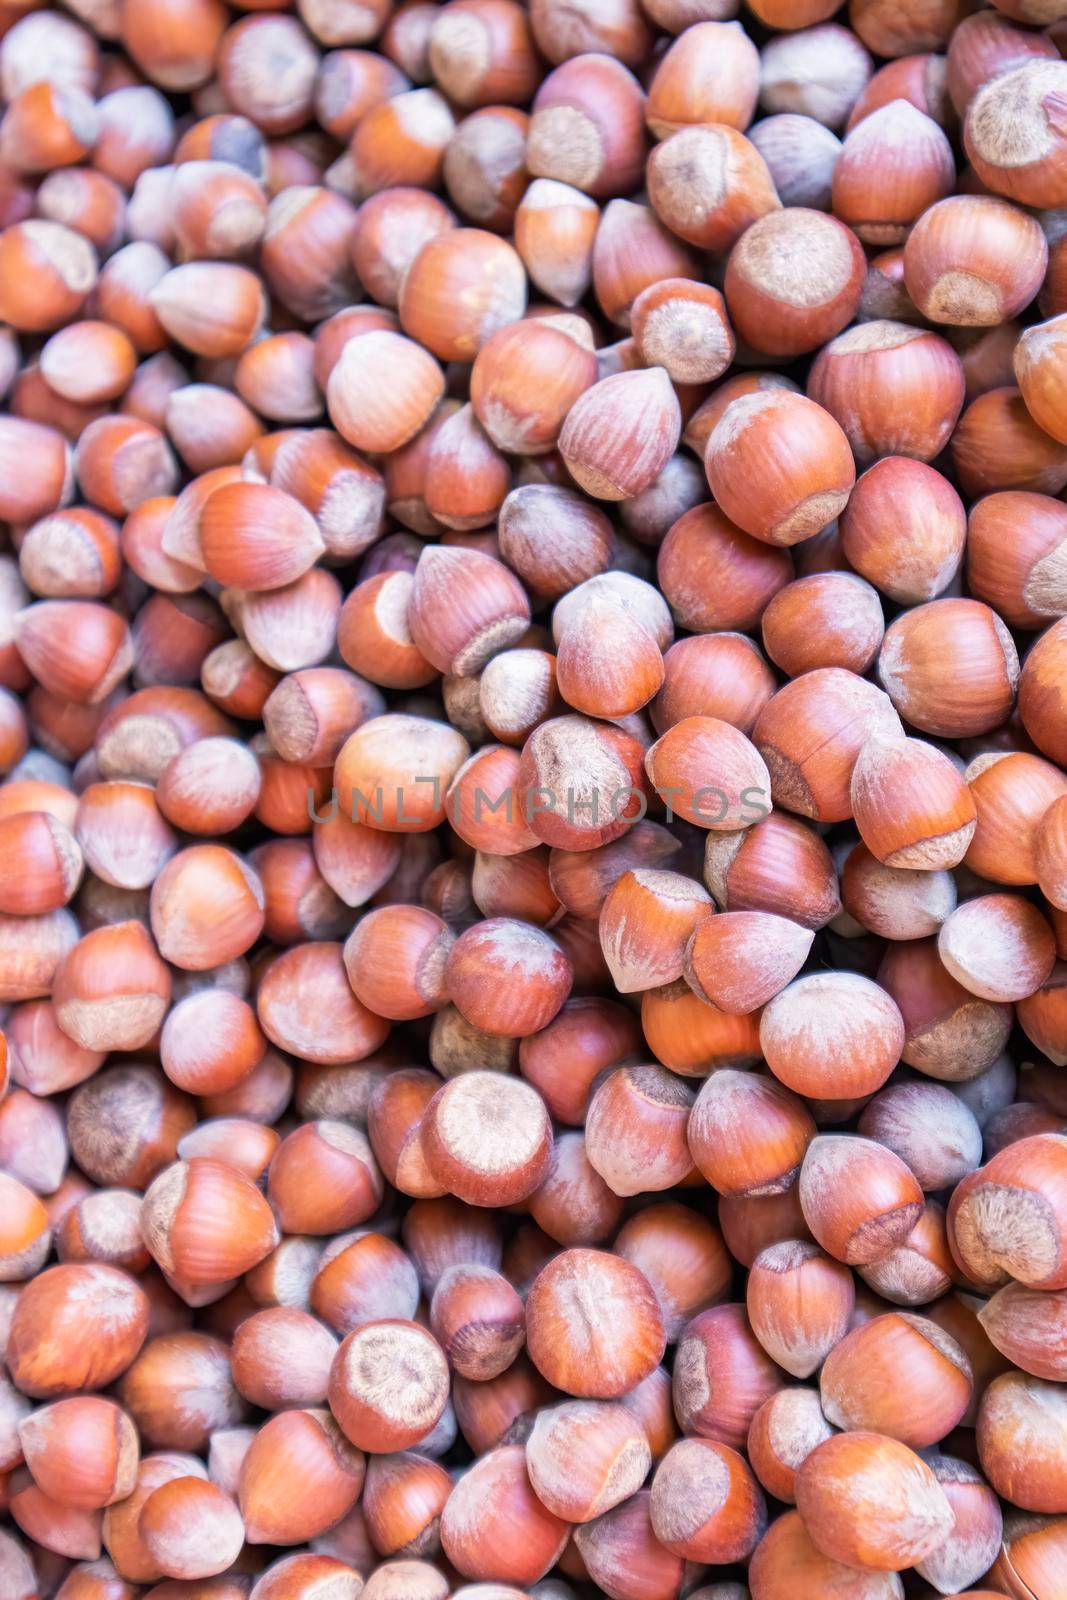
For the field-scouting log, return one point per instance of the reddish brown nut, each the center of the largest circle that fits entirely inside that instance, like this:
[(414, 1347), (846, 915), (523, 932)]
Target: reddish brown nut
[(620, 1551), (683, 1257), (562, 1060), (555, 228), (608, 663), (491, 1496), (894, 164), (721, 674), (636, 1130), (206, 1223), (1017, 1407), (478, 1320), (984, 47), (799, 1303), (46, 271), (393, 774), (810, 734), (955, 256), (1027, 167), (1050, 854), (949, 1032), (705, 1504), (507, 977), (486, 1411), (829, 619), (525, 379), (74, 648), (710, 774), (769, 307), (997, 445), (930, 821), (240, 1142), (374, 637), (747, 1133), (1003, 1218), (206, 908), (391, 227), (111, 990), (1012, 794), (402, 1501), (359, 409), (487, 1138), (913, 1518), (256, 537), (779, 866), (998, 947), (645, 924), (82, 1452), (362, 1278), (585, 1456), (401, 140), (104, 1226), (1023, 1324), (929, 1127), (1018, 578), (323, 1179), (968, 705), (1039, 692), (281, 1357), (855, 1058), (191, 1529), (339, 1029), (787, 1556), (580, 783), (299, 1476), (895, 389), (587, 127), (121, 1536), (1029, 1552), (858, 1198), (574, 1205), (396, 959), (977, 1537), (899, 1375), (593, 1325), (96, 1317), (462, 286), (904, 529), (210, 1042), (740, 960), (722, 1375), (894, 902), (785, 1430), (709, 75), (124, 1124), (553, 538), (465, 607), (692, 1037), (388, 1385), (620, 434), (682, 326), (213, 308), (46, 863), (806, 467), (394, 1124)]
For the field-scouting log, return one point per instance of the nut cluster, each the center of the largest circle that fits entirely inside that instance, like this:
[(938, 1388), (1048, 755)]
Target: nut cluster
[(533, 800)]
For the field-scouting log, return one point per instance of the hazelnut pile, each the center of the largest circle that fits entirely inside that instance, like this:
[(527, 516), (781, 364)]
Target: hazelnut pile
[(533, 800)]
